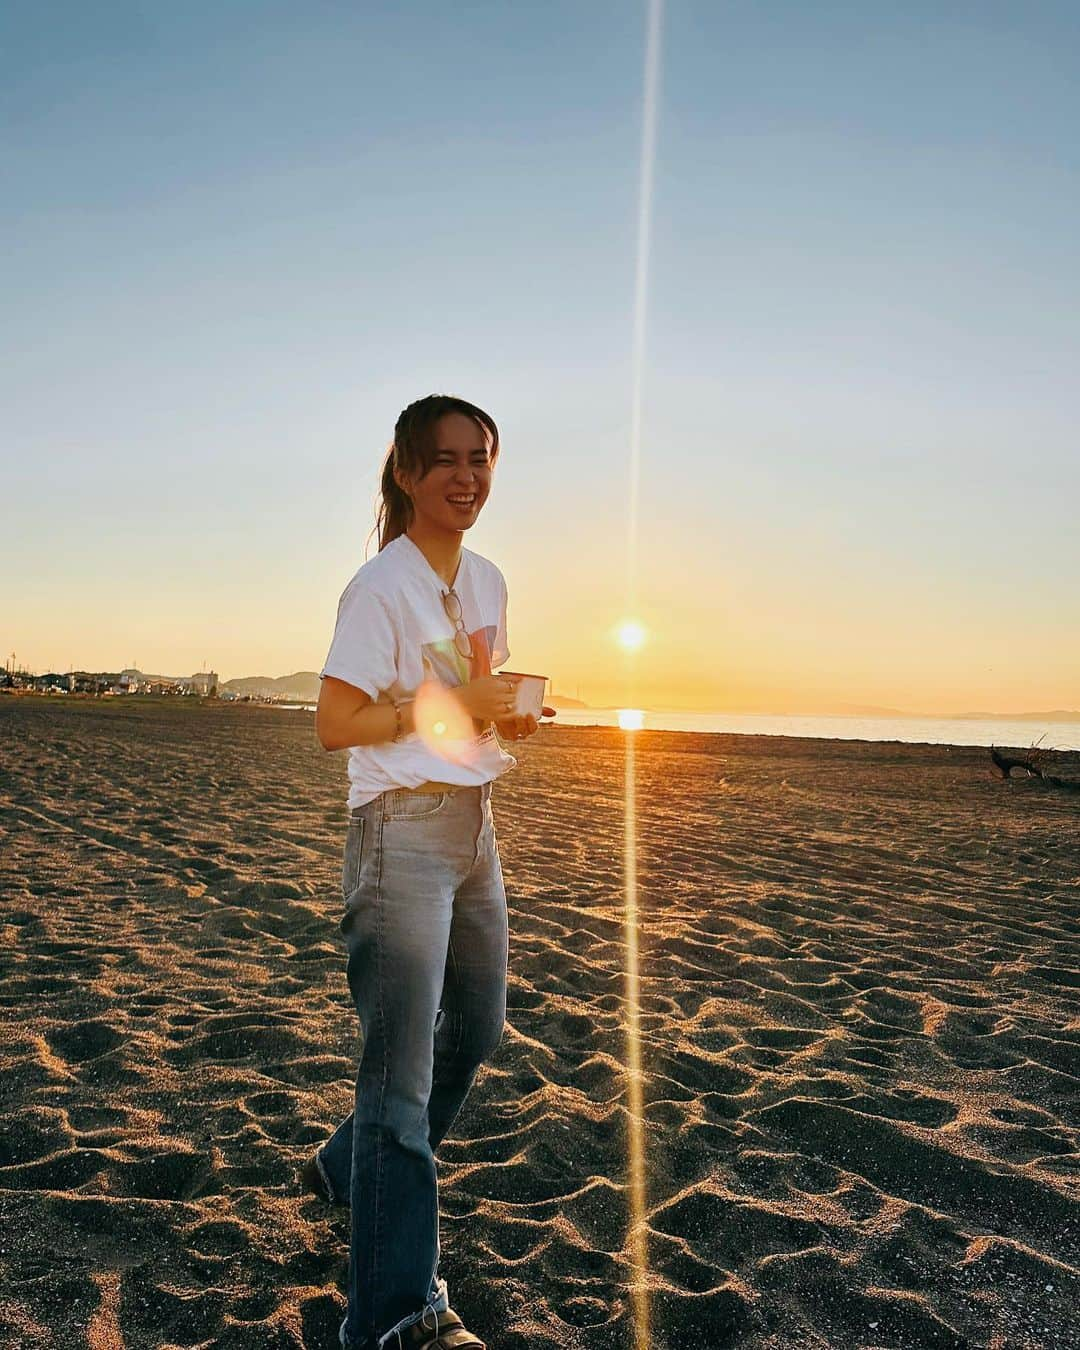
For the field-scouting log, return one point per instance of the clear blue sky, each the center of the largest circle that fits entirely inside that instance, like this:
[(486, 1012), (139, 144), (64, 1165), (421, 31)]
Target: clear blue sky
[(239, 238)]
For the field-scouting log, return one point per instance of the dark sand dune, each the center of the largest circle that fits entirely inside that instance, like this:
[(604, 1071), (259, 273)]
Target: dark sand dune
[(860, 1013)]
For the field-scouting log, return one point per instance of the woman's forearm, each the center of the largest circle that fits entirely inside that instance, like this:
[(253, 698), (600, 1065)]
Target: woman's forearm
[(373, 724)]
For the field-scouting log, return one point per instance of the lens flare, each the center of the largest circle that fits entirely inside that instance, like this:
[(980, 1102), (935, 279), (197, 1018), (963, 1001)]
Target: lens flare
[(637, 1234), (635, 1079), (443, 725)]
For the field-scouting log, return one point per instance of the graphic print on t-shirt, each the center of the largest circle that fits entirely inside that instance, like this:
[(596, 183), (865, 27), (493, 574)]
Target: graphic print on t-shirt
[(444, 663)]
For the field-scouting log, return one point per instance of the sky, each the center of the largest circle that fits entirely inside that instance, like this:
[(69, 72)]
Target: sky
[(238, 239)]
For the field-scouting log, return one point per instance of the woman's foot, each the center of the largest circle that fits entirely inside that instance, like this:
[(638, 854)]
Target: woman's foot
[(312, 1179), (448, 1334)]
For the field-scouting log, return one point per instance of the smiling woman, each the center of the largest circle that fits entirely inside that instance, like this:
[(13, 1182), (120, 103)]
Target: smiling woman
[(420, 628)]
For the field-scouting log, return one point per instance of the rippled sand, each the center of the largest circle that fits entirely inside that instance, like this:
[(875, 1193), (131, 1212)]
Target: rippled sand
[(860, 999)]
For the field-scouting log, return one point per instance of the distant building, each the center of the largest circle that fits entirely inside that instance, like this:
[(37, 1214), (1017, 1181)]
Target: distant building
[(205, 683), (53, 683)]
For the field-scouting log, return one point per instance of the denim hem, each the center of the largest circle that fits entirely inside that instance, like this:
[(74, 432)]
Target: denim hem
[(440, 1303), (325, 1177)]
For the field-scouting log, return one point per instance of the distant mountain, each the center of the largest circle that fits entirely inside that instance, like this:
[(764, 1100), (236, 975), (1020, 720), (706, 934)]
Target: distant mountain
[(302, 686), (561, 701), (865, 710), (1055, 715)]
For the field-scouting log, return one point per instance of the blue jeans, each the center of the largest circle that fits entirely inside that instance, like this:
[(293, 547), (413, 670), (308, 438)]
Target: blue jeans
[(426, 933)]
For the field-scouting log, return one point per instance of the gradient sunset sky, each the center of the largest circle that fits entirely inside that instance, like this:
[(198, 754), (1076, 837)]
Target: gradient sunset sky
[(240, 238)]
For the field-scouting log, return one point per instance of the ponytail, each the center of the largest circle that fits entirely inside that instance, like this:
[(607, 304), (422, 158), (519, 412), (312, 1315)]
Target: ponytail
[(396, 509)]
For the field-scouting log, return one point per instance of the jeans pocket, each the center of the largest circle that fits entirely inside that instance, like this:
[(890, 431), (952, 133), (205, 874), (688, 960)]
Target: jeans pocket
[(354, 855), (402, 805)]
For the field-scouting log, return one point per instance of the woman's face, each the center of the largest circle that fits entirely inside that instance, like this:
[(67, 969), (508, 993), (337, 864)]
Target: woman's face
[(460, 469)]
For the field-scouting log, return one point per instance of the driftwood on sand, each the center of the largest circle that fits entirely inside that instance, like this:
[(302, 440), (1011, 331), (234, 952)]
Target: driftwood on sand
[(1032, 762)]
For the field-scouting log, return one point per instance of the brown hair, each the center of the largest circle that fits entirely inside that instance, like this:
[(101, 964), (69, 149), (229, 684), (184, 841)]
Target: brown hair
[(413, 451)]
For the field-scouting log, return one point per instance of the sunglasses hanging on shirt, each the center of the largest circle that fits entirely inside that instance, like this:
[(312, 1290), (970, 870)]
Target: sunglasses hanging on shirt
[(452, 605)]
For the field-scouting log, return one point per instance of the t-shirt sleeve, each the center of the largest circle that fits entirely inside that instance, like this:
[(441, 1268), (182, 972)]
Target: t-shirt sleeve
[(363, 651), (501, 654)]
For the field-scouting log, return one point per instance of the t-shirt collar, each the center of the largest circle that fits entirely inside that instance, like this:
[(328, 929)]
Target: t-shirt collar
[(414, 551)]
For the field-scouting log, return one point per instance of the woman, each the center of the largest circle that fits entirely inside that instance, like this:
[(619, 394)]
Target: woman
[(424, 921)]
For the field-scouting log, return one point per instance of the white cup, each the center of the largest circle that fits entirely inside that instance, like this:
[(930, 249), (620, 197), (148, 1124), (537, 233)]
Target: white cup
[(530, 692)]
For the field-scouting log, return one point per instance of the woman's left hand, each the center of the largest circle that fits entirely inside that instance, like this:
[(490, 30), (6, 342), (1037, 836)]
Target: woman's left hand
[(520, 725)]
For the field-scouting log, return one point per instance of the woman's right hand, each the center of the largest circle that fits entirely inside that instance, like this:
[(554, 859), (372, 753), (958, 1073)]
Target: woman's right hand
[(488, 697)]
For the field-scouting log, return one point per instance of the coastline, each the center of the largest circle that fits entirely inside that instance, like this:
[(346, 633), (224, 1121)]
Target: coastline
[(1067, 757)]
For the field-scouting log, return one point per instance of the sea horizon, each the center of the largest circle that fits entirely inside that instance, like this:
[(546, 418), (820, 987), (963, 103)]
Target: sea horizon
[(908, 728), (911, 729)]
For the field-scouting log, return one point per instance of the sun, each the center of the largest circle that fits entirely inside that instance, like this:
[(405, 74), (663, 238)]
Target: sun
[(631, 719), (630, 635)]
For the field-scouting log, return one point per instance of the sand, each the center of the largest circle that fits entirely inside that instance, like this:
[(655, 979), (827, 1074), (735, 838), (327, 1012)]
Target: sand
[(860, 998)]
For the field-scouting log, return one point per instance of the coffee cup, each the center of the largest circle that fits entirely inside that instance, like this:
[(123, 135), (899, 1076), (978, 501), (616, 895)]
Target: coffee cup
[(529, 691)]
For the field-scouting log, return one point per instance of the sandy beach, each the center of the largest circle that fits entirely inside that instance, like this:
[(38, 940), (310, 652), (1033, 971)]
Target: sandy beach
[(861, 1034)]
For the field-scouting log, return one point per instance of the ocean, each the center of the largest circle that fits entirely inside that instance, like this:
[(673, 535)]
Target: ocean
[(1048, 734), (915, 730)]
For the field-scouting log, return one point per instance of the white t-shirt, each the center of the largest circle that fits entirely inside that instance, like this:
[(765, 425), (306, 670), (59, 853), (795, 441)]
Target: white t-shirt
[(392, 635)]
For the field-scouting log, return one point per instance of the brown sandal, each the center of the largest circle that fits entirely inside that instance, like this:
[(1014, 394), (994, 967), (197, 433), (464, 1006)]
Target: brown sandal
[(449, 1334)]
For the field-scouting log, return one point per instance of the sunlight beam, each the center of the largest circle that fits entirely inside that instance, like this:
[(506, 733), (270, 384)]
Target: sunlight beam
[(631, 635), (639, 1252)]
